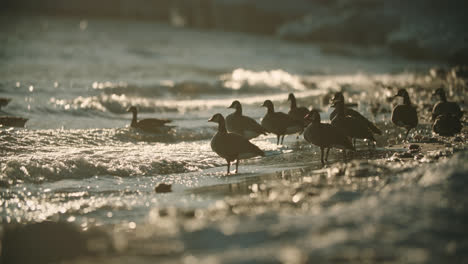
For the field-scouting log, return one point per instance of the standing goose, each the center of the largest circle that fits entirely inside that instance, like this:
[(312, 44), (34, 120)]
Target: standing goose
[(445, 107), (325, 135), (231, 146), (12, 121), (350, 126), (297, 113), (150, 124), (405, 115), (243, 125), (4, 102), (447, 125), (279, 123), (348, 111)]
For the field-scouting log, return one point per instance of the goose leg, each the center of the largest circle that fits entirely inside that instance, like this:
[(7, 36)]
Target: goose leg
[(237, 165), (282, 139), (407, 132), (326, 156), (354, 142), (228, 166), (344, 155), (277, 139), (321, 155)]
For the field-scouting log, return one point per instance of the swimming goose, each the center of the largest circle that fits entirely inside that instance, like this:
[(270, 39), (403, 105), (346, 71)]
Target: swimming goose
[(348, 111), (405, 115), (243, 125), (297, 113), (325, 136), (349, 125), (4, 102), (447, 125), (279, 123), (12, 121), (445, 107), (149, 124), (231, 146)]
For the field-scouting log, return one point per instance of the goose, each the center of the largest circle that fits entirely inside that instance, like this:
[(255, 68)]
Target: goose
[(279, 123), (405, 115), (325, 136), (150, 124), (349, 125), (348, 111), (4, 101), (12, 121), (297, 113), (243, 125), (231, 146), (447, 125), (445, 107)]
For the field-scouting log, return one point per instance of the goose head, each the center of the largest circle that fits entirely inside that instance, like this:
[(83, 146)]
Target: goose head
[(402, 93), (216, 118), (132, 109), (235, 105), (268, 104), (338, 97), (313, 116)]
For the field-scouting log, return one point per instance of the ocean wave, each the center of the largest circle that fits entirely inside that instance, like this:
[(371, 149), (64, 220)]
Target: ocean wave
[(54, 164)]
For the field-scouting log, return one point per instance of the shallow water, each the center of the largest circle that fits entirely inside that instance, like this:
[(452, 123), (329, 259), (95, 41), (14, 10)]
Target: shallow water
[(78, 161)]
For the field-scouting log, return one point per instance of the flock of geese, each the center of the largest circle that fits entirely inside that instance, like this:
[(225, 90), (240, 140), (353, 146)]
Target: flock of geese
[(231, 142)]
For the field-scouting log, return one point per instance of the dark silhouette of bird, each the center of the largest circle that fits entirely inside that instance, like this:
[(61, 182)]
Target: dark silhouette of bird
[(350, 112), (149, 124), (349, 125), (4, 102), (279, 123), (325, 136), (241, 124), (12, 121), (405, 115), (297, 113), (444, 107), (231, 146), (447, 125)]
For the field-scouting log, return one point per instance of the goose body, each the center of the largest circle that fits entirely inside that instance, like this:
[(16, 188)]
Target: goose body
[(231, 146), (325, 136), (279, 123), (447, 125), (405, 115), (243, 125), (4, 101), (149, 124), (351, 112), (444, 107), (349, 125), (12, 121), (297, 113)]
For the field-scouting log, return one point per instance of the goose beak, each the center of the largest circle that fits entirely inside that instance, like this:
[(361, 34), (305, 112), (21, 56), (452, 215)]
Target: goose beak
[(307, 117), (211, 119)]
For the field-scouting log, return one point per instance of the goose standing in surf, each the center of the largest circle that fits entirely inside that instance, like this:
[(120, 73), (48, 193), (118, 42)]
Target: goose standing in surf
[(350, 126), (231, 146), (297, 113), (152, 125), (325, 136), (241, 124), (279, 123), (405, 115), (444, 107)]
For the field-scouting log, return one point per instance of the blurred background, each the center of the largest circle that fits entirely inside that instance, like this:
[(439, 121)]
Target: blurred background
[(421, 29)]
